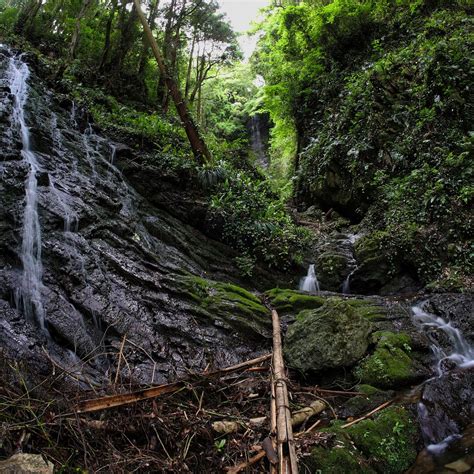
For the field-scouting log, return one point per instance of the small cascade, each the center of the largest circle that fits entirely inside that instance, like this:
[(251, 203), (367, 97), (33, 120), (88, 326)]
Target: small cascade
[(71, 221), (113, 152), (439, 432), (89, 150), (461, 354), (346, 285), (28, 298), (310, 282), (256, 141)]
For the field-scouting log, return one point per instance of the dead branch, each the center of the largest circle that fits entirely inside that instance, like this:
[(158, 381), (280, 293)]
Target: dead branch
[(111, 401), (375, 410), (244, 465)]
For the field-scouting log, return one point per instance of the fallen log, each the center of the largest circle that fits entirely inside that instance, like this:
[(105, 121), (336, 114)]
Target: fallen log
[(111, 401), (285, 441)]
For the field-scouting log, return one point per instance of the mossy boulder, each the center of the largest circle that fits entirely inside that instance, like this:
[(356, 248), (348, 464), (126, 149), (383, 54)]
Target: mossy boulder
[(386, 443), (334, 335), (391, 364), (332, 268), (229, 306), (342, 458), (291, 301), (388, 440)]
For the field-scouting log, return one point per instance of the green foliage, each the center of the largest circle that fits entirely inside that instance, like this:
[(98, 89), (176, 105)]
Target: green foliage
[(249, 217), (378, 95)]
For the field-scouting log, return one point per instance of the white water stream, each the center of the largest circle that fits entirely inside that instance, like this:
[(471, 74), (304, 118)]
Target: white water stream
[(310, 282), (460, 354), (28, 297)]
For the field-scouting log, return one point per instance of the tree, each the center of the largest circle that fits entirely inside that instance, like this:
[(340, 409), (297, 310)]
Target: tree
[(197, 143)]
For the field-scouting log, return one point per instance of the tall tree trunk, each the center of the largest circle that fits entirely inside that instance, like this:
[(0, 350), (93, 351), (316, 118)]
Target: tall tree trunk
[(27, 17), (126, 36), (151, 21), (108, 31), (198, 145), (77, 30), (190, 67)]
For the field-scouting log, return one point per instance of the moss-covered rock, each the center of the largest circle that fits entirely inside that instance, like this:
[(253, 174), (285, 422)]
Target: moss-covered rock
[(332, 268), (291, 301), (334, 335), (390, 365), (340, 459), (227, 305), (386, 443)]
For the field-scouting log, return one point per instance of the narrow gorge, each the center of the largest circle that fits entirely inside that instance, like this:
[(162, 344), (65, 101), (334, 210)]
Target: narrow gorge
[(339, 201)]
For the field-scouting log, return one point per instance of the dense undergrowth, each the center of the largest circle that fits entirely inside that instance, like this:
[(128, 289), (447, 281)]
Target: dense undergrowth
[(377, 97)]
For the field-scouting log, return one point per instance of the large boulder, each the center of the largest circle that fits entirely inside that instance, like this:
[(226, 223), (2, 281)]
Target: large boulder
[(334, 335)]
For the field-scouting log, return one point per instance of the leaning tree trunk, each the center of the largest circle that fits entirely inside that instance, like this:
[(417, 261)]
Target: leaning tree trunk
[(198, 145)]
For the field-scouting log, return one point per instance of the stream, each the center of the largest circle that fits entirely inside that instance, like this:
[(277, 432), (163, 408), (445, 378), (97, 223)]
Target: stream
[(96, 250)]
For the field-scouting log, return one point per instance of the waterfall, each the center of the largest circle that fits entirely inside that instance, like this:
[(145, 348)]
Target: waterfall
[(113, 151), (28, 297), (310, 282), (256, 141), (461, 354)]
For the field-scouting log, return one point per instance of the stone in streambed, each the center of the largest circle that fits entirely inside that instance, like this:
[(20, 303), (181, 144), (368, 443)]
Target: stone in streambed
[(334, 335), (23, 463)]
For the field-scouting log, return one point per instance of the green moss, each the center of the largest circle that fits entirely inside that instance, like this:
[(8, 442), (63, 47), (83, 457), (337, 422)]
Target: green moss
[(390, 365), (388, 440), (291, 301), (341, 459), (334, 335), (368, 309), (386, 443), (367, 390), (226, 304)]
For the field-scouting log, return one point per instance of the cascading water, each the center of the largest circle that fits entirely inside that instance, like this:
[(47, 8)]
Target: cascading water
[(310, 282), (461, 353), (28, 298), (256, 141), (438, 430)]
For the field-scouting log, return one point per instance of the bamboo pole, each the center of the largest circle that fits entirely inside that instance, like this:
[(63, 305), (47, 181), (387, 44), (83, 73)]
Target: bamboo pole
[(199, 147), (285, 440)]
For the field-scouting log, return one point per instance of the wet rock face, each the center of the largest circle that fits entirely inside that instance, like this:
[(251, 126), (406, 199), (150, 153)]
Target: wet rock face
[(446, 407), (113, 262)]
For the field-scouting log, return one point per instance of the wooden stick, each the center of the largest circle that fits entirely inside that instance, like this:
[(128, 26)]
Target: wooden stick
[(273, 422), (285, 440), (111, 401), (375, 410), (244, 465), (120, 358)]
